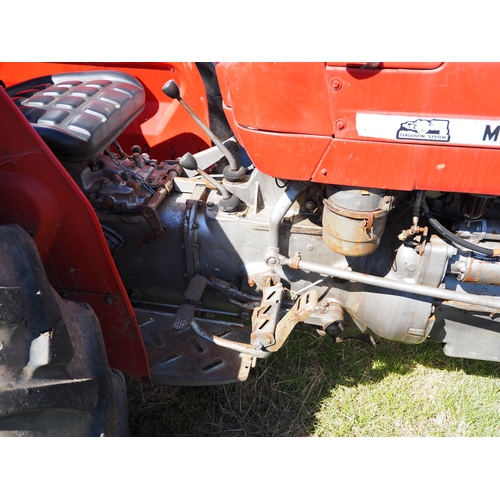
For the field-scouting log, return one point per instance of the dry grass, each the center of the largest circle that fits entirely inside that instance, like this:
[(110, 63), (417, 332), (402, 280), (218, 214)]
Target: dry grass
[(314, 387)]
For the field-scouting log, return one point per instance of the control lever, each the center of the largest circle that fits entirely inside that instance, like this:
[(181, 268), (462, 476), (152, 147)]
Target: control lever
[(229, 202), (232, 173), (208, 157)]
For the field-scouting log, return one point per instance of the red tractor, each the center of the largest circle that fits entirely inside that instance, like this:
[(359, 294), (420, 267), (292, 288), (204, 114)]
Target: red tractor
[(141, 203)]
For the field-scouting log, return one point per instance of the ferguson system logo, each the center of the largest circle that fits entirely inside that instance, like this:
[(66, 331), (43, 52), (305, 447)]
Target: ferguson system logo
[(425, 130)]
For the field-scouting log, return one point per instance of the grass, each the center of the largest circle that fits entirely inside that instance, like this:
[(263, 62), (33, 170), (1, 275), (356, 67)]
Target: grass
[(314, 387)]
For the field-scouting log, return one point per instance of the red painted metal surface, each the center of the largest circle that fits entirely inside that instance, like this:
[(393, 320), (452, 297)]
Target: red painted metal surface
[(389, 65), (287, 156), (409, 166), (277, 97), (279, 110), (38, 194)]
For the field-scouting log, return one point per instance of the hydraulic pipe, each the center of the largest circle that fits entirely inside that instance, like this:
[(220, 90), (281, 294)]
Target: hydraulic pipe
[(489, 252), (284, 204)]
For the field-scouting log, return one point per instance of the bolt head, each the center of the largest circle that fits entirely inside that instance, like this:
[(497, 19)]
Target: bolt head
[(257, 345), (336, 84), (340, 124)]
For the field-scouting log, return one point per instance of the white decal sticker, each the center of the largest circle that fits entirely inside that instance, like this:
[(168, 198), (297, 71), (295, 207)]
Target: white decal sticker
[(425, 130), (430, 129)]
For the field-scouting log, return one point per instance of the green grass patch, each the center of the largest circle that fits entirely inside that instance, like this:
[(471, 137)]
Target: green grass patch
[(314, 387)]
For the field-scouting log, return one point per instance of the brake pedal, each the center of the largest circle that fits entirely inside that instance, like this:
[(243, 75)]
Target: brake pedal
[(183, 317), (195, 289), (193, 294)]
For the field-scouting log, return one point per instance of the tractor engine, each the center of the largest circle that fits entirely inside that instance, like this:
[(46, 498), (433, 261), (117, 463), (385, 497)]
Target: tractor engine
[(371, 265)]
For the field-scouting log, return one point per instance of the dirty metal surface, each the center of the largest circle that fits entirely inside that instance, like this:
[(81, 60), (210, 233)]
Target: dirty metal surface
[(184, 358), (465, 334)]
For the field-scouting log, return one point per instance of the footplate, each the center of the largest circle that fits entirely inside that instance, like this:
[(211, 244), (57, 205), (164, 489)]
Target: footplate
[(181, 357)]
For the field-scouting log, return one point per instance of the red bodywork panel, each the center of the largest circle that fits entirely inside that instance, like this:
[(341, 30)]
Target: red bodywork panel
[(340, 124), (38, 194)]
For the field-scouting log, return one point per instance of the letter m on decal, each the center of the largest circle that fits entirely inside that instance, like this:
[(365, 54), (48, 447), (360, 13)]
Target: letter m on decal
[(488, 134)]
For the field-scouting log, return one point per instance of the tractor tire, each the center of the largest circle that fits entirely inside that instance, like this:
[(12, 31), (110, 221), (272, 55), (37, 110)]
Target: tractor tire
[(54, 375)]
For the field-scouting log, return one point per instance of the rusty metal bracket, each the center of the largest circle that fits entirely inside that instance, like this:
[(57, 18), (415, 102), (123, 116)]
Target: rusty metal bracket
[(265, 317), (295, 260), (265, 331), (301, 310), (158, 230)]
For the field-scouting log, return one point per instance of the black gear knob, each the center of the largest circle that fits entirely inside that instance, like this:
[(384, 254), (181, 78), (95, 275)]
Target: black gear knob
[(188, 161), (171, 89)]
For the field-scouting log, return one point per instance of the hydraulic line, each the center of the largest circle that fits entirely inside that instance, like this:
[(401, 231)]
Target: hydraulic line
[(282, 206), (416, 208), (490, 252)]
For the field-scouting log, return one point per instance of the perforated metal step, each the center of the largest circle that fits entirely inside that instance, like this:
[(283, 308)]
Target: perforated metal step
[(183, 358)]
